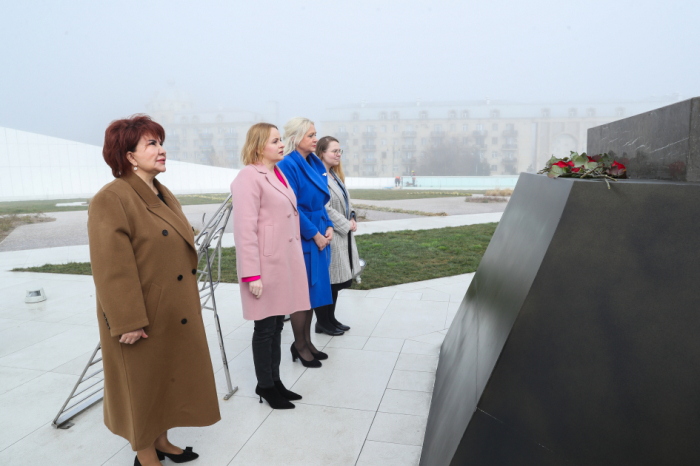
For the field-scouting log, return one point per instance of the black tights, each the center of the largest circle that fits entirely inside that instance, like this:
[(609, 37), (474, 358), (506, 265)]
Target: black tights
[(301, 326)]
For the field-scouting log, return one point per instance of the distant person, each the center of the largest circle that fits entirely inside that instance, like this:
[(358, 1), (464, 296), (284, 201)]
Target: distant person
[(157, 368), (308, 178), (413, 178), (268, 249), (397, 181), (345, 262)]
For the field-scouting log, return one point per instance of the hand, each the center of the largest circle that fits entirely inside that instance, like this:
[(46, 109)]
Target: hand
[(132, 337), (321, 241), (353, 225), (256, 288), (329, 234)]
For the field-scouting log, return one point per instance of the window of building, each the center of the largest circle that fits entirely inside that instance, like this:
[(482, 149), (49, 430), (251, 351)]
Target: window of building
[(396, 128), (494, 155), (396, 142), (354, 156), (219, 118), (573, 113), (423, 142), (355, 129), (545, 113), (619, 111), (494, 140), (382, 115), (590, 112), (221, 142), (423, 115), (231, 130), (510, 127), (479, 127), (183, 119), (494, 127), (355, 116), (495, 114), (383, 156), (465, 140), (437, 128), (195, 119), (465, 113), (452, 114), (342, 129), (453, 128), (370, 129), (408, 128), (383, 142), (383, 128), (394, 115), (465, 128)]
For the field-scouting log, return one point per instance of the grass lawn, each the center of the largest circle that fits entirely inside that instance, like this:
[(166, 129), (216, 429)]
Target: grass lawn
[(392, 258), (398, 194)]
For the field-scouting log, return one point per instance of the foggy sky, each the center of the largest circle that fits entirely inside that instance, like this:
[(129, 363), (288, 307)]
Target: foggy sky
[(70, 67)]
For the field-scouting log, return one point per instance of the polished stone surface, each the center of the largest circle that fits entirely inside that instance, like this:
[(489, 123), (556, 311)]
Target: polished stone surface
[(577, 340), (662, 144)]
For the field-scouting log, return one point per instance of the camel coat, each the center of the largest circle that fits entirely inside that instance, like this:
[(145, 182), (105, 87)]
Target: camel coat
[(266, 233), (144, 264)]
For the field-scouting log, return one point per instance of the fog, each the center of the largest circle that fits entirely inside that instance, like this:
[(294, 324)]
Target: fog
[(70, 67)]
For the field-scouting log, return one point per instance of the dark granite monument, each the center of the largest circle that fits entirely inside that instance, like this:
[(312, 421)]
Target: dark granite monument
[(663, 144), (579, 337)]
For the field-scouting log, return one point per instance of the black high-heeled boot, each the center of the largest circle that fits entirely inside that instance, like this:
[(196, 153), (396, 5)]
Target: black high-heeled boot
[(323, 325), (273, 398), (295, 355), (288, 394)]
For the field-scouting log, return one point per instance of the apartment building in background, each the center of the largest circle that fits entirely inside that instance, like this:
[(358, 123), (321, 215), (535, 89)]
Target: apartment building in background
[(203, 136), (389, 139)]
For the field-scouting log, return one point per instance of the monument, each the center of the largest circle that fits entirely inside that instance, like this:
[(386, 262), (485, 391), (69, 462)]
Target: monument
[(576, 342)]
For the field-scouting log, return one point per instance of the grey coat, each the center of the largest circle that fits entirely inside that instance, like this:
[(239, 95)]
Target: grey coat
[(340, 259)]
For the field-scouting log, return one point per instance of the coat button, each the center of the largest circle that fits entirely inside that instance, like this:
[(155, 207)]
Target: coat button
[(179, 277), (295, 213), (194, 271), (290, 240), (183, 321), (297, 236), (165, 232), (289, 215)]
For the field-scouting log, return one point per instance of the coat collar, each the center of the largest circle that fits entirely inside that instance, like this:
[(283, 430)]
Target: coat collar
[(275, 182), (313, 173), (174, 217)]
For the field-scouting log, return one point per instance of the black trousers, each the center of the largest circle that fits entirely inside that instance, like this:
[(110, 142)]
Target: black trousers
[(267, 338), (335, 289)]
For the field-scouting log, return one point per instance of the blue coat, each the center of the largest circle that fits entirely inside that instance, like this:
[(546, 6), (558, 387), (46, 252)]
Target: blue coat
[(309, 183)]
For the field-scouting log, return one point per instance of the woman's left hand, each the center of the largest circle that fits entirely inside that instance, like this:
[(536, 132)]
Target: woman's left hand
[(329, 233), (353, 225)]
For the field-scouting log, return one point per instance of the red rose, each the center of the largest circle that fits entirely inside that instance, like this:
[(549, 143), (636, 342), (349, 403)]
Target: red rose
[(576, 170), (561, 164), (618, 165), (590, 159)]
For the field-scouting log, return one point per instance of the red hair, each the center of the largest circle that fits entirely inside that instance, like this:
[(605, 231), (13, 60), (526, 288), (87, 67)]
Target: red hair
[(122, 136)]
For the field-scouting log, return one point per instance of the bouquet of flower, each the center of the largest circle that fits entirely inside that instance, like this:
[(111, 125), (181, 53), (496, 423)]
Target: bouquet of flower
[(584, 166)]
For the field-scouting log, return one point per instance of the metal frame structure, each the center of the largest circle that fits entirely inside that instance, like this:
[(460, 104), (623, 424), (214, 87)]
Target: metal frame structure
[(212, 233)]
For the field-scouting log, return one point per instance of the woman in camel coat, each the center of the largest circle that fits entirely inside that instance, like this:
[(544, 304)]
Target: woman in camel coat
[(157, 368), (268, 250)]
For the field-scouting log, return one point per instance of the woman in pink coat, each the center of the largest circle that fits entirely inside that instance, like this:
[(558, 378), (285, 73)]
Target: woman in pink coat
[(268, 249)]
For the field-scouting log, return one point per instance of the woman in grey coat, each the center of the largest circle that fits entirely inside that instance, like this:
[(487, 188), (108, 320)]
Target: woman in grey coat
[(345, 263)]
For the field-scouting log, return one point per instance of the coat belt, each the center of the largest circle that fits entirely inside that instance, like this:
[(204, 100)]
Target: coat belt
[(320, 219)]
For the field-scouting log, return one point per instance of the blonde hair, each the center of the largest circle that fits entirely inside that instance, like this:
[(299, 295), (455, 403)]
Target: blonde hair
[(294, 132), (322, 147), (255, 142)]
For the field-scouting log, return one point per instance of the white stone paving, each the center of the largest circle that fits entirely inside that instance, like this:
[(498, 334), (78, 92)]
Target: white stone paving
[(367, 405)]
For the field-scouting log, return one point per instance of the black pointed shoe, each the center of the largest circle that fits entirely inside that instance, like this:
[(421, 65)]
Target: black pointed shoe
[(273, 398), (288, 394), (295, 355), (332, 331), (184, 457)]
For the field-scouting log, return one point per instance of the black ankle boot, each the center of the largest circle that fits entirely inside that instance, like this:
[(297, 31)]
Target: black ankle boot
[(288, 394), (323, 325), (273, 397)]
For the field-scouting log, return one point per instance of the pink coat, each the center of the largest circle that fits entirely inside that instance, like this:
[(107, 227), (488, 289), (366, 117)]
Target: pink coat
[(266, 233)]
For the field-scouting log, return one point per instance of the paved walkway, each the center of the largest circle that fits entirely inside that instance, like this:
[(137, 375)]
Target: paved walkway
[(367, 405), (449, 205)]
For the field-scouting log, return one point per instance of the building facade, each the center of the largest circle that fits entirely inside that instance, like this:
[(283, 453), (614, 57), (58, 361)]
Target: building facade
[(511, 137), (209, 137)]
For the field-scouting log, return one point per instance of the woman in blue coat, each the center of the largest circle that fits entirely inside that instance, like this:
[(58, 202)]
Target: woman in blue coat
[(307, 178)]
